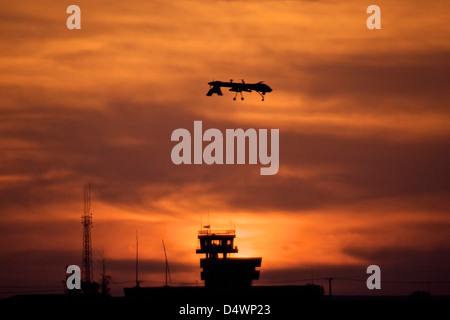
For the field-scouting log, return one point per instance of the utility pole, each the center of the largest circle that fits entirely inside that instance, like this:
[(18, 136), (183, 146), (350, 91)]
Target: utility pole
[(329, 285)]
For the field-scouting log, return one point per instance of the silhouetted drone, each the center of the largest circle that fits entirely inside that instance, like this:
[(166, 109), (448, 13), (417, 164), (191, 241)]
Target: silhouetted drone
[(237, 87)]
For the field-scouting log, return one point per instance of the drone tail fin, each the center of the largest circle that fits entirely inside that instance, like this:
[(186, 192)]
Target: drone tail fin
[(214, 89)]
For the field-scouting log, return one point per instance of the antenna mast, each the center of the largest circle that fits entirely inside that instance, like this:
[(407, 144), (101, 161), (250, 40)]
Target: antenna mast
[(137, 259), (167, 265), (86, 220)]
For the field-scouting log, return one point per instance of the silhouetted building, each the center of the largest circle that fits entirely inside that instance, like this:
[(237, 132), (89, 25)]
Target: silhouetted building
[(219, 270), (226, 279)]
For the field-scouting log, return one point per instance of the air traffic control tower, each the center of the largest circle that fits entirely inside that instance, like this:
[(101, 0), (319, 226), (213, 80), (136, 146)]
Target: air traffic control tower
[(219, 270)]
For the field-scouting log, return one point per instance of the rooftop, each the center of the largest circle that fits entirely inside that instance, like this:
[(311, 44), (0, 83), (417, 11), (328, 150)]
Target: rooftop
[(206, 232)]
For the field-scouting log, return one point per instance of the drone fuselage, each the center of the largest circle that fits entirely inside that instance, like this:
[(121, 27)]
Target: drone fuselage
[(238, 87)]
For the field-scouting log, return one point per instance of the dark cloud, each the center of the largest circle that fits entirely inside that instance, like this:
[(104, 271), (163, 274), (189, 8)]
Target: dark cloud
[(420, 268), (374, 79), (149, 266), (403, 270), (410, 259), (34, 271), (127, 149), (29, 270), (351, 280)]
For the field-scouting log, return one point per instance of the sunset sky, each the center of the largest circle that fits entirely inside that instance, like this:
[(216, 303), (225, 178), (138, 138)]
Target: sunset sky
[(364, 120)]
